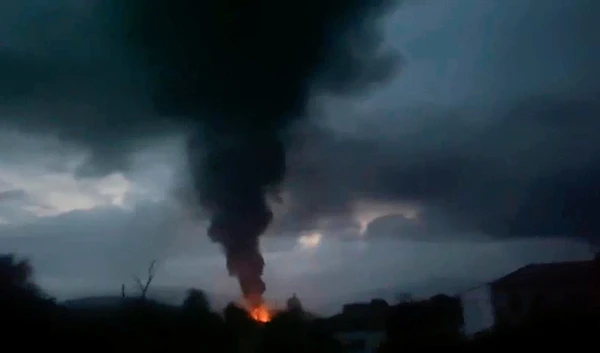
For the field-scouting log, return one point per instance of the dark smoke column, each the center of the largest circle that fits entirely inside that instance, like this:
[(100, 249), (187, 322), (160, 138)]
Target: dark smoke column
[(232, 183), (237, 74)]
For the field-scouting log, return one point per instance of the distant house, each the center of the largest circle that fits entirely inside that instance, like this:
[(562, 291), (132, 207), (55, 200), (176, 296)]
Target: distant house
[(535, 288), (360, 327)]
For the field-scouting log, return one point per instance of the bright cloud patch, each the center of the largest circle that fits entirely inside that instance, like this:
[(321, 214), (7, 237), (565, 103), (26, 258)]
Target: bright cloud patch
[(56, 193), (311, 240), (37, 178)]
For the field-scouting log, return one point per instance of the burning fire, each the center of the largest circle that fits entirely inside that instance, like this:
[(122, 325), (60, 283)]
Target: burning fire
[(260, 313)]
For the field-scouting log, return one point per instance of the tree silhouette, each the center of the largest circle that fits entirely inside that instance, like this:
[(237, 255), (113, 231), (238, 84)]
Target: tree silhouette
[(12, 272), (23, 305), (196, 300), (145, 285), (16, 276), (294, 304), (237, 317)]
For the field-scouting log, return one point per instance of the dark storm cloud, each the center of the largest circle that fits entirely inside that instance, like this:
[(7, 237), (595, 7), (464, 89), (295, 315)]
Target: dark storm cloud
[(236, 75), (239, 75), (530, 169), (518, 157), (62, 75), (513, 154)]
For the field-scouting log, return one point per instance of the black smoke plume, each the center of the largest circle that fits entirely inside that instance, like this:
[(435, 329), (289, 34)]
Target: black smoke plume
[(239, 74)]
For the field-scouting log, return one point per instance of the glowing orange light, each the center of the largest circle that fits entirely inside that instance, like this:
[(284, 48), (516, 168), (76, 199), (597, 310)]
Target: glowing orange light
[(261, 313)]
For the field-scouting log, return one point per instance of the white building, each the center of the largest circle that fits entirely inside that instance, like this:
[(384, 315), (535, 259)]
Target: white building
[(478, 311)]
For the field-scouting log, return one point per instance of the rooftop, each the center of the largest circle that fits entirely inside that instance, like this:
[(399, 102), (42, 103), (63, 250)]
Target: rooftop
[(364, 317), (573, 273)]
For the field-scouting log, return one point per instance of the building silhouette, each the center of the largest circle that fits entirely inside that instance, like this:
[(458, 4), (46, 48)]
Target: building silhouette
[(360, 327), (535, 289)]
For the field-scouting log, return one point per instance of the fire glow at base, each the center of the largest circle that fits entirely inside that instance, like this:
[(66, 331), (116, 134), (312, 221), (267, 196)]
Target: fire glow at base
[(260, 313)]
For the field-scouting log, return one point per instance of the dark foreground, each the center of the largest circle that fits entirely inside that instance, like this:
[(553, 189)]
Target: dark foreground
[(139, 325), (34, 321)]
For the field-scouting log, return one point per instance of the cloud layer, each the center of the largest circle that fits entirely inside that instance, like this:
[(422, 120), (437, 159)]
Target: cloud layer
[(488, 129)]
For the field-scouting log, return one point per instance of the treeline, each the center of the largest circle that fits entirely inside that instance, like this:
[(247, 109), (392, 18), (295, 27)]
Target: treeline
[(33, 320)]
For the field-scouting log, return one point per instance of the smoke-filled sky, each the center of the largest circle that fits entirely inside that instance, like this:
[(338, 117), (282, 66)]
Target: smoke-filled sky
[(483, 138)]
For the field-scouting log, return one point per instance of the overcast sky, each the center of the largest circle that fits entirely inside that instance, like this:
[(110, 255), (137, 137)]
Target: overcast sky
[(481, 151)]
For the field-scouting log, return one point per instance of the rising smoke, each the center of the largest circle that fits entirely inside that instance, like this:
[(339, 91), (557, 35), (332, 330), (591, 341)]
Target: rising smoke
[(239, 73)]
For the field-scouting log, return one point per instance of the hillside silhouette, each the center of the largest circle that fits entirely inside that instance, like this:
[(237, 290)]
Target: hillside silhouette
[(140, 323)]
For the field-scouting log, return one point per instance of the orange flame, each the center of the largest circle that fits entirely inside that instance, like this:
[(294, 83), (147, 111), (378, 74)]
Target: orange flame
[(260, 313)]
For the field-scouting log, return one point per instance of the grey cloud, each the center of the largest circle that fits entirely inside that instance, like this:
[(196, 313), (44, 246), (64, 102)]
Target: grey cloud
[(509, 150), (63, 75), (13, 195), (498, 98), (13, 205), (110, 243), (489, 50), (424, 228), (338, 270), (100, 244), (529, 169), (97, 250)]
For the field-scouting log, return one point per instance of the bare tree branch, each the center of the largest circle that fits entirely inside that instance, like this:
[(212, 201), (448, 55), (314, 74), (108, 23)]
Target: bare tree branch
[(145, 285)]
